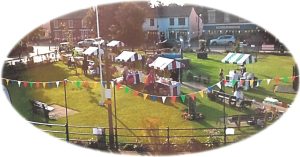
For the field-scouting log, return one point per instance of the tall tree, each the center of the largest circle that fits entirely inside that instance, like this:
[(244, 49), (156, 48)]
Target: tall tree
[(130, 18)]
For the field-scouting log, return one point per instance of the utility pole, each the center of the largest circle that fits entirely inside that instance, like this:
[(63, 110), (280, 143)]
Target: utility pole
[(108, 102)]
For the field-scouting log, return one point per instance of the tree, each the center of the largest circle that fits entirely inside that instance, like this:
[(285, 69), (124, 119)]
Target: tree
[(130, 18), (35, 35)]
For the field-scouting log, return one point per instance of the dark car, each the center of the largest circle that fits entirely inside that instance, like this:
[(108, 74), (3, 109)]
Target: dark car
[(169, 43)]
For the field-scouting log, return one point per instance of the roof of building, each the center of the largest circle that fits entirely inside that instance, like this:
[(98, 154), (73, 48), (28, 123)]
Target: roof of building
[(75, 15), (167, 11)]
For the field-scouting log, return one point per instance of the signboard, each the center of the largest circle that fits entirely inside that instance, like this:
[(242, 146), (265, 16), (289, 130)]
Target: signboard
[(229, 131), (97, 131)]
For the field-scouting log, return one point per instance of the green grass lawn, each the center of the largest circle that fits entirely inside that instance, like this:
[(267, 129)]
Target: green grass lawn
[(267, 67), (134, 111)]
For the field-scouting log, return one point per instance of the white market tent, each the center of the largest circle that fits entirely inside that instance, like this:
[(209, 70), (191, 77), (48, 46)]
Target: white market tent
[(166, 63), (239, 58), (92, 50), (128, 56), (114, 43)]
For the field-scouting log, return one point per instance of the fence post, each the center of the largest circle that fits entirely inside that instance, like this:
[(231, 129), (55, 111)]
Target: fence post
[(67, 132), (168, 138)]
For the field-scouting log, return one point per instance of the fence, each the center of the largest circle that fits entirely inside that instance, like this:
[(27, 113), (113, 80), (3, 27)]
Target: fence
[(165, 138)]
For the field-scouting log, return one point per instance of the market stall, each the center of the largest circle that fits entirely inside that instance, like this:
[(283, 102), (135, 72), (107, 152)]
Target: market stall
[(166, 86), (241, 76), (131, 77)]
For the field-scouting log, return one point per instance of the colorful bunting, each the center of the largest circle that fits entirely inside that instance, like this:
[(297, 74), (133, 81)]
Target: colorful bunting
[(145, 96), (258, 83), (268, 81), (78, 84), (225, 81), (251, 83), (163, 98), (182, 97), (277, 80), (153, 97), (209, 89), (118, 86), (57, 84), (44, 84), (126, 89), (233, 82), (95, 84), (173, 99), (293, 78), (37, 84), (7, 81), (49, 84), (136, 93), (285, 79), (31, 84), (85, 84), (242, 82), (192, 95), (104, 84), (25, 84), (201, 93), (112, 84), (219, 85), (19, 83)]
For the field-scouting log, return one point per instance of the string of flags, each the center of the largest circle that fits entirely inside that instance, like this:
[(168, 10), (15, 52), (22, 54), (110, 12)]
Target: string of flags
[(86, 84)]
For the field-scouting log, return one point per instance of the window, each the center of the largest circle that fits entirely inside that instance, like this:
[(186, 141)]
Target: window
[(83, 24), (151, 22), (226, 18), (55, 23), (211, 16), (181, 21), (171, 21), (70, 24)]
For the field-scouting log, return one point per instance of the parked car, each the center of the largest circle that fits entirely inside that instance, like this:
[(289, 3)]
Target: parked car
[(86, 42), (223, 40), (98, 41), (65, 46), (169, 43)]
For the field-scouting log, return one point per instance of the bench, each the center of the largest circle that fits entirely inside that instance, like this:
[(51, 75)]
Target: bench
[(41, 108), (228, 99)]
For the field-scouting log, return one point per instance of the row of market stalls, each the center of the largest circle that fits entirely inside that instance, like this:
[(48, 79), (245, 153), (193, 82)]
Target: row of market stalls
[(161, 85)]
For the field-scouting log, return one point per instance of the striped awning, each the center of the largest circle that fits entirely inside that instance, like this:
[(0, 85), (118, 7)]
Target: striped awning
[(239, 58), (129, 56), (166, 63)]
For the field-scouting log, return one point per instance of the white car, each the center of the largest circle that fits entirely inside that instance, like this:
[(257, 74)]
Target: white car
[(86, 42), (223, 40)]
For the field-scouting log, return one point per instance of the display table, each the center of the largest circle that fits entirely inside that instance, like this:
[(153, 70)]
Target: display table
[(171, 88)]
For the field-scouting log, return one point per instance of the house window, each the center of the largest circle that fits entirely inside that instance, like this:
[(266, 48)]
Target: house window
[(171, 21), (211, 16), (226, 18), (83, 24), (242, 20), (55, 23), (151, 22), (181, 21), (70, 24)]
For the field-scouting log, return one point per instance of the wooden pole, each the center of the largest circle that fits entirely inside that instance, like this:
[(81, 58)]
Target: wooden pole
[(66, 109)]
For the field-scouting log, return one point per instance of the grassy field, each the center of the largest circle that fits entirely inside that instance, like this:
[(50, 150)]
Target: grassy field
[(134, 111)]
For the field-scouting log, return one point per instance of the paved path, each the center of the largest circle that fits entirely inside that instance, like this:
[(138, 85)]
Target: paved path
[(194, 86)]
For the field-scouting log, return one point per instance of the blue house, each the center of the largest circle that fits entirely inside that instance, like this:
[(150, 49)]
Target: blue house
[(173, 22)]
